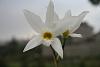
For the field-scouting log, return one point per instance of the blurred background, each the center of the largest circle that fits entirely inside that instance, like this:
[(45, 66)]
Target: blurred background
[(15, 32)]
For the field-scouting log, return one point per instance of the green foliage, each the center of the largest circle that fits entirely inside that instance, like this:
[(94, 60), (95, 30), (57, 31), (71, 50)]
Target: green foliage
[(95, 2), (12, 56)]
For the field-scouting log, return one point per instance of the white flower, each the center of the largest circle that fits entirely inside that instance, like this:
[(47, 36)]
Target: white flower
[(46, 31), (52, 27), (72, 23), (69, 23)]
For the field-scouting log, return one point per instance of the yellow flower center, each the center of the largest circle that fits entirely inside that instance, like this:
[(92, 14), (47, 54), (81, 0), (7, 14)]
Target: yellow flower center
[(66, 34), (47, 35)]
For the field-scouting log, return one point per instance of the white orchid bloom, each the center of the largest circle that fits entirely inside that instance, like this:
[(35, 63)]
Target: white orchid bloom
[(46, 34), (72, 23)]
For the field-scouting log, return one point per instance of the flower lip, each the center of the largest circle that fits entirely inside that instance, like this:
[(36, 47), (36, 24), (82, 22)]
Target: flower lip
[(47, 35)]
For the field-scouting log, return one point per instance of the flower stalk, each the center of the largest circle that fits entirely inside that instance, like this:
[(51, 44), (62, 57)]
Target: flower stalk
[(54, 57)]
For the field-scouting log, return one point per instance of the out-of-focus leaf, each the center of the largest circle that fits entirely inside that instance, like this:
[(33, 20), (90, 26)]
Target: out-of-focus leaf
[(95, 2)]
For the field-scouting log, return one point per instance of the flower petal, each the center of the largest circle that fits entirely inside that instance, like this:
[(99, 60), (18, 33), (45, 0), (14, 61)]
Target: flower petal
[(46, 43), (56, 17), (77, 21), (65, 24), (59, 28), (51, 16), (34, 20), (75, 35), (56, 45), (67, 14), (50, 12), (36, 41)]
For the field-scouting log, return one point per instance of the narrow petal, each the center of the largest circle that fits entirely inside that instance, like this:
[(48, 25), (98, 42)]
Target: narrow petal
[(50, 12), (56, 17), (51, 16), (34, 20), (59, 28), (67, 14), (56, 45), (78, 21), (36, 41), (75, 35)]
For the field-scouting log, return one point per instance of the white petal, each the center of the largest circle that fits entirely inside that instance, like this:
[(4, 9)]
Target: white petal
[(51, 16), (78, 21), (56, 45), (75, 35), (50, 12), (67, 14), (46, 43), (65, 24), (59, 28), (34, 20), (56, 17), (36, 41)]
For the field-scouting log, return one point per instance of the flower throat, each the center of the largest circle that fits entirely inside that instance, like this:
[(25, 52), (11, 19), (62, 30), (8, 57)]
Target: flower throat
[(47, 35)]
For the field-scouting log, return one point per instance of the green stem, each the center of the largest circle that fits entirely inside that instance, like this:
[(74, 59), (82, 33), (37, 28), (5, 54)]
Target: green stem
[(55, 62), (64, 42), (54, 57)]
